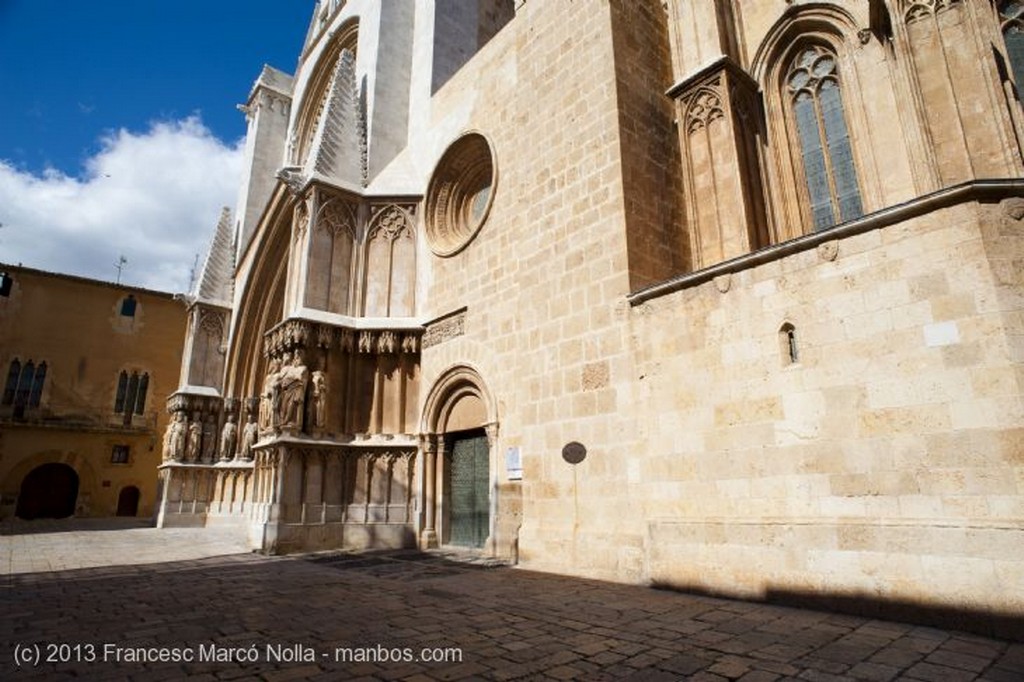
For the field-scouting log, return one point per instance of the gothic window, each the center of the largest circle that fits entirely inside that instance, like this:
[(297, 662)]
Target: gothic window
[(816, 104), (131, 394), (13, 374), (1011, 17), (140, 398), (122, 386), (37, 385), (25, 384)]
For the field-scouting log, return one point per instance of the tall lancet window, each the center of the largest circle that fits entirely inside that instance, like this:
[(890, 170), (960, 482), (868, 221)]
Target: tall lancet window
[(817, 105), (1011, 17)]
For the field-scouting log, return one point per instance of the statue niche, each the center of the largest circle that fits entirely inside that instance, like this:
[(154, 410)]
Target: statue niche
[(228, 438)]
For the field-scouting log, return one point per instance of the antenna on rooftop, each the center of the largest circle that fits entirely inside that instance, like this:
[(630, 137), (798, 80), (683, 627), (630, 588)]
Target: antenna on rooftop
[(120, 264), (193, 272)]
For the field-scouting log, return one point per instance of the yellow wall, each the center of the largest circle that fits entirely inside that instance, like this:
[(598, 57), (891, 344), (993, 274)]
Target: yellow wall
[(75, 326)]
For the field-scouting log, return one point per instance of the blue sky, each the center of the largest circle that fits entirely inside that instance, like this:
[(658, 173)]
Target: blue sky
[(120, 133)]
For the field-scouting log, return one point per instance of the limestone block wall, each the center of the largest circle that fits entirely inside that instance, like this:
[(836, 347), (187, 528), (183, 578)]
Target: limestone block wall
[(885, 461), (543, 280), (650, 159)]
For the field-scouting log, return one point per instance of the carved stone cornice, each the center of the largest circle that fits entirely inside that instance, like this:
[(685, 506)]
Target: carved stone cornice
[(709, 73), (300, 334)]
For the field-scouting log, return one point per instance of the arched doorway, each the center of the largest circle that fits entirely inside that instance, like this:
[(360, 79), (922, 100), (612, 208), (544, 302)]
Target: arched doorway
[(48, 492), (128, 501), (459, 427)]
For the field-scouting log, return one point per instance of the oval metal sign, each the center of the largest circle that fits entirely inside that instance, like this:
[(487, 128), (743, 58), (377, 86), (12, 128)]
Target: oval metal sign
[(574, 452)]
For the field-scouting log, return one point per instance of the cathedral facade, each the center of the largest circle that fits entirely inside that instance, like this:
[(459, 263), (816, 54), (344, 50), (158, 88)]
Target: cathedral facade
[(710, 294)]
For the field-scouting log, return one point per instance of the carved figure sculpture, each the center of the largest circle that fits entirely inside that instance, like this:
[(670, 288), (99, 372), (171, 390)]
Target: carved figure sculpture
[(268, 396), (195, 440), (174, 440), (209, 438), (228, 438), (319, 384), (292, 381), (250, 433)]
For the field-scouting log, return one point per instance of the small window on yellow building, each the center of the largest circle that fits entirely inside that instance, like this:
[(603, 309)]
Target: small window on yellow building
[(128, 306), (119, 454)]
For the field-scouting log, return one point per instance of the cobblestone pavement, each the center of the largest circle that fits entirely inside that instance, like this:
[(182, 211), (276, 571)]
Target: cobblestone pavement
[(338, 616)]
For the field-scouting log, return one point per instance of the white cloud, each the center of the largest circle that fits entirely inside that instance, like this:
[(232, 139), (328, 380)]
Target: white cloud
[(153, 197)]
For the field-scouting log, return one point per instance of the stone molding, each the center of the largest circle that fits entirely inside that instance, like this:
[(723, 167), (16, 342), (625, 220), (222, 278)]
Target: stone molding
[(444, 328), (298, 334), (974, 190)]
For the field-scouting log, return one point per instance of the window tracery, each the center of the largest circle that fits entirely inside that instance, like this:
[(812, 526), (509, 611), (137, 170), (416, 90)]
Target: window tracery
[(1011, 22), (24, 386), (815, 98), (131, 394)]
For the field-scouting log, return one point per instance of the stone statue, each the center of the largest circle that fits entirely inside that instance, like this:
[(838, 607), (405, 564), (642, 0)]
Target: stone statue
[(269, 396), (195, 439), (210, 439), (174, 439), (228, 438), (250, 433), (319, 383), (292, 382)]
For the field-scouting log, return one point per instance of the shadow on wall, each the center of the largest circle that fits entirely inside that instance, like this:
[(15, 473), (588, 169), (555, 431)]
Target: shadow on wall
[(460, 29), (979, 621)]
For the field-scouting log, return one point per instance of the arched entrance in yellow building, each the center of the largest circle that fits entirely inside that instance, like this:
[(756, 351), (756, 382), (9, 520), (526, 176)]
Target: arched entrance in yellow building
[(459, 427), (48, 492), (128, 501)]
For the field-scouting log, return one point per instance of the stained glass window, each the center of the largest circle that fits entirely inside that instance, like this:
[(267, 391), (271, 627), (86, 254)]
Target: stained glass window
[(825, 151), (1011, 14)]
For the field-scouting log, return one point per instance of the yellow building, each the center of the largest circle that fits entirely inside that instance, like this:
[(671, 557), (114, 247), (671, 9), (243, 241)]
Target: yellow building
[(86, 366)]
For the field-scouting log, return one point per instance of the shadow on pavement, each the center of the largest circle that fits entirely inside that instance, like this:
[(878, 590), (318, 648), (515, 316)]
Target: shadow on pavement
[(16, 526), (986, 623)]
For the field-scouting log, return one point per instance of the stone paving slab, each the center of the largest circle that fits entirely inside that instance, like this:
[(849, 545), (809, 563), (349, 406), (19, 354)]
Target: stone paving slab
[(59, 545), (409, 616)]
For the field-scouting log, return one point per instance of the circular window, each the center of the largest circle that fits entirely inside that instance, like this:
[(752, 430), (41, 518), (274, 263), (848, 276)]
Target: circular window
[(460, 193)]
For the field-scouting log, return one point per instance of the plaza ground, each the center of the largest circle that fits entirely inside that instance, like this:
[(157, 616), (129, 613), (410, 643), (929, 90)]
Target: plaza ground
[(106, 600)]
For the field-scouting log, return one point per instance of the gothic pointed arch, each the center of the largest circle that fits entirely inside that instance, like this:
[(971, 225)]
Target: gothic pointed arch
[(332, 256), (262, 301), (703, 109), (817, 171), (314, 99), (390, 261)]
